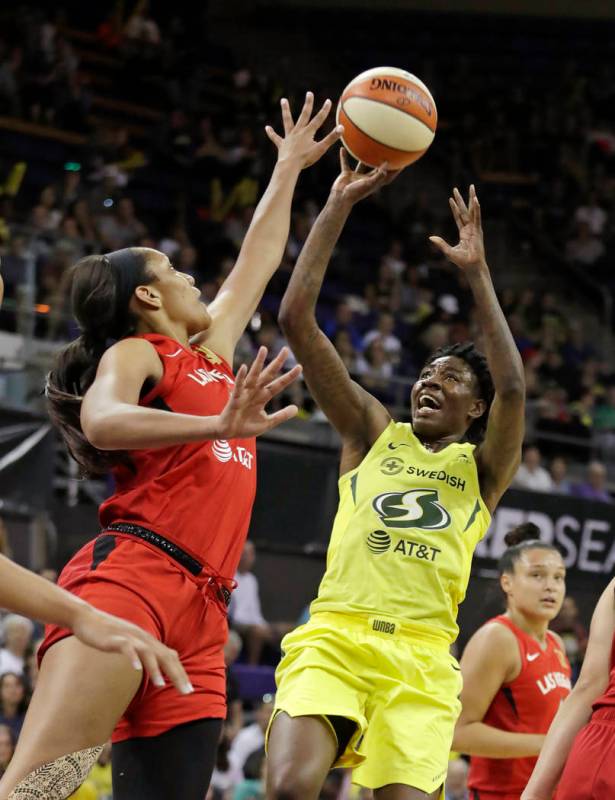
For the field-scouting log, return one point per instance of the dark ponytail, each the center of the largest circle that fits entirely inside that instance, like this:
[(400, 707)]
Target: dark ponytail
[(523, 537), (102, 287)]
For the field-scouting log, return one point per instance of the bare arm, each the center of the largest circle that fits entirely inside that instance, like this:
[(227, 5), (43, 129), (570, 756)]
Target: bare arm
[(112, 419), (357, 416), (29, 594), (500, 454), (264, 243), (576, 710), (491, 658)]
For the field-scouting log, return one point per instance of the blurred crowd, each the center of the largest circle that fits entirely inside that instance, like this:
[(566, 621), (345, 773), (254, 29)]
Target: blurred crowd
[(188, 183)]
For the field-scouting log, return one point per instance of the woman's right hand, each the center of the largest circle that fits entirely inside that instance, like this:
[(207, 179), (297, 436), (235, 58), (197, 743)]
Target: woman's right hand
[(244, 415)]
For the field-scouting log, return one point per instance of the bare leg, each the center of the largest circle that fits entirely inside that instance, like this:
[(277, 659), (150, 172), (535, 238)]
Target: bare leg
[(399, 791), (79, 697), (301, 752)]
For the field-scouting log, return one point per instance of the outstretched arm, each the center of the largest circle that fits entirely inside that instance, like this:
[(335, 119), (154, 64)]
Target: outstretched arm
[(28, 594), (499, 455), (576, 709), (357, 416), (264, 243)]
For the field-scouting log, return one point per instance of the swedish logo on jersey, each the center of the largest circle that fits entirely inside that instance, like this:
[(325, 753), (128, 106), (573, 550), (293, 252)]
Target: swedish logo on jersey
[(416, 508)]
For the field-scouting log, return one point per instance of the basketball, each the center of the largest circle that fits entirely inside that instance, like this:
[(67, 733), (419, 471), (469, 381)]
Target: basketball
[(388, 115)]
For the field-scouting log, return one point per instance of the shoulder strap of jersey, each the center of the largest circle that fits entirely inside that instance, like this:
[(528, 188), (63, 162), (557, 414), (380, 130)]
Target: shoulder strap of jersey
[(519, 635)]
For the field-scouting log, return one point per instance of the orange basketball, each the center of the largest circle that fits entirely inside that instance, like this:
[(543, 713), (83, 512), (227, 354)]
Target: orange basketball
[(388, 115)]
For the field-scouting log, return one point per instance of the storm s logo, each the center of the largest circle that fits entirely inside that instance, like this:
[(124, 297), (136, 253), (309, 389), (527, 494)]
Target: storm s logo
[(416, 508)]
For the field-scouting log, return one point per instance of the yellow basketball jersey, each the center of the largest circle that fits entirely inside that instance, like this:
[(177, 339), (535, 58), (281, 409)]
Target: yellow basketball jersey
[(405, 531)]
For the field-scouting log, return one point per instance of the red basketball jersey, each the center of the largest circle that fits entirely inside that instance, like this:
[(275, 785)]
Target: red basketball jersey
[(525, 705), (200, 494), (608, 698)]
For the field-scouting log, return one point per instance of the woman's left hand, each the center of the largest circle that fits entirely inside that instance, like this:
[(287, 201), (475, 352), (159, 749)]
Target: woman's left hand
[(298, 144), (469, 253)]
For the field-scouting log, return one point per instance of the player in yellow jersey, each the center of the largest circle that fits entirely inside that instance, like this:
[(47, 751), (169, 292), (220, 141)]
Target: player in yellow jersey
[(369, 681)]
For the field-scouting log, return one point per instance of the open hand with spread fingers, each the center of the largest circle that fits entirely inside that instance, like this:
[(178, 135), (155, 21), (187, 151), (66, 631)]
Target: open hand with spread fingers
[(244, 415), (298, 143), (469, 253)]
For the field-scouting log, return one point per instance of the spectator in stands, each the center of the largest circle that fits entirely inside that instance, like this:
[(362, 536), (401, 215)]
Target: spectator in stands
[(13, 701), (592, 214), (604, 416), (7, 746), (343, 344), (141, 26), (574, 634), (252, 737), (559, 481), (394, 258), (384, 334), (584, 249), (121, 228), (385, 294), (594, 487), (234, 706), (375, 370), (17, 632), (245, 610), (46, 215), (456, 785), (531, 475), (344, 321), (253, 785)]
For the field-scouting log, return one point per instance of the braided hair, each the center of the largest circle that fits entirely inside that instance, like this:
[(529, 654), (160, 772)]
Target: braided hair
[(478, 364), (102, 288)]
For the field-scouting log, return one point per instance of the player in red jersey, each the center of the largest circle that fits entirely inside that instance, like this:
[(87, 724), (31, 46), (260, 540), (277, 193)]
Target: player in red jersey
[(515, 672), (29, 594), (581, 740), (162, 408)]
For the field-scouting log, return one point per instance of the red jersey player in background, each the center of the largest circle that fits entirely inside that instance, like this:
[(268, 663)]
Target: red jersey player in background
[(162, 409), (582, 736), (515, 671)]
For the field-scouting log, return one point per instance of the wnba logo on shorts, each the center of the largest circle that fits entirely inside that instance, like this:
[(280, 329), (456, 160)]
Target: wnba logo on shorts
[(382, 626)]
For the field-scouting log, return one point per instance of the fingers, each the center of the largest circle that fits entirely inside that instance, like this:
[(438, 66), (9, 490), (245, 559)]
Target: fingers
[(344, 165), (279, 384), (256, 368), (441, 245), (321, 116), (172, 668), (276, 364), (275, 138), (283, 415), (240, 379), (475, 212), (306, 111), (461, 203), (287, 117), (324, 144), (456, 213)]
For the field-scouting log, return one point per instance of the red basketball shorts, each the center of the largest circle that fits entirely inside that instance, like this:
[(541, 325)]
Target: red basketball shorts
[(137, 582), (589, 773)]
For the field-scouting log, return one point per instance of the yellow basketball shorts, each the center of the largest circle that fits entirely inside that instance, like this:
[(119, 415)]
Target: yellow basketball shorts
[(399, 686)]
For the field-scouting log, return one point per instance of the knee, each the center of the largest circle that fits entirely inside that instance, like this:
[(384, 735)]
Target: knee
[(290, 782)]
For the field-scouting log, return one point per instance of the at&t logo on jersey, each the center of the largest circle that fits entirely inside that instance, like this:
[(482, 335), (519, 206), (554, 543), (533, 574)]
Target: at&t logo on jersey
[(223, 451), (416, 508)]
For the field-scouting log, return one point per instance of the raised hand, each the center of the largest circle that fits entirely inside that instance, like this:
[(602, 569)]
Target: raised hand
[(112, 635), (469, 253), (244, 415), (298, 142), (353, 185)]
